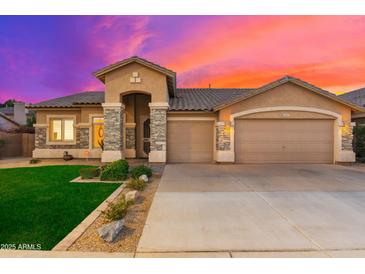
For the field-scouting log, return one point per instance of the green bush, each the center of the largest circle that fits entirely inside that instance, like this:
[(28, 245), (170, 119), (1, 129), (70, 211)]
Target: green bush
[(140, 170), (2, 143), (89, 172), (115, 171), (118, 210), (359, 142), (136, 184), (34, 161)]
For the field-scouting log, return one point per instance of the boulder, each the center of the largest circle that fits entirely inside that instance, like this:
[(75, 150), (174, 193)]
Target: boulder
[(111, 231), (143, 178), (131, 195)]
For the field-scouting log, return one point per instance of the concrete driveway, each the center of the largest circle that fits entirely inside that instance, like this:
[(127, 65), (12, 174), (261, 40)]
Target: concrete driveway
[(250, 208)]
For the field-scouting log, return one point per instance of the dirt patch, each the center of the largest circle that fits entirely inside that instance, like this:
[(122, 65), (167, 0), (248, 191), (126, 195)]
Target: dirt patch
[(132, 231)]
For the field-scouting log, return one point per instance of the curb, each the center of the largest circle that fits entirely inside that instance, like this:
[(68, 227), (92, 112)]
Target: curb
[(70, 238)]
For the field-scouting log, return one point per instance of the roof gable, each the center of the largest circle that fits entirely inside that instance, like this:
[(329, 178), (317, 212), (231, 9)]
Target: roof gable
[(296, 81), (170, 75)]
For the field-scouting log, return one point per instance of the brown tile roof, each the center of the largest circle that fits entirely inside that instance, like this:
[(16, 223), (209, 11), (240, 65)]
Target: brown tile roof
[(2, 115), (195, 99), (204, 98), (86, 97), (356, 96)]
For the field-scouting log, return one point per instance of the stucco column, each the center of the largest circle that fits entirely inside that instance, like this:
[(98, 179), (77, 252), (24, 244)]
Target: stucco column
[(114, 114), (158, 125), (223, 142)]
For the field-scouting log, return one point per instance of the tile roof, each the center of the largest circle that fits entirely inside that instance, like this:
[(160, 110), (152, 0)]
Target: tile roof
[(7, 110), (198, 99), (86, 97), (356, 96), (2, 115), (204, 98)]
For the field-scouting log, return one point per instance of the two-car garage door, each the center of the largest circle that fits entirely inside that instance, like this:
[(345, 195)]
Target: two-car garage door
[(283, 141), (256, 141)]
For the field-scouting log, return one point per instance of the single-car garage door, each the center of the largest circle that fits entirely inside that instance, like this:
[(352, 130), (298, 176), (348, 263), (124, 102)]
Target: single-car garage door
[(284, 141), (190, 141)]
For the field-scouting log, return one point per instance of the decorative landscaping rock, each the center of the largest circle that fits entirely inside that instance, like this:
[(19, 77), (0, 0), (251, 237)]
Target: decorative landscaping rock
[(131, 195), (143, 178), (111, 231)]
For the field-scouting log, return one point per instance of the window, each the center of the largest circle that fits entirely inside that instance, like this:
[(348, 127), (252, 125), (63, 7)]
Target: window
[(61, 130), (98, 132)]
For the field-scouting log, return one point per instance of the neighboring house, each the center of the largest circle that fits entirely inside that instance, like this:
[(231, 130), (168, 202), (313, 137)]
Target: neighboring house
[(7, 124), (142, 114), (356, 97), (18, 113)]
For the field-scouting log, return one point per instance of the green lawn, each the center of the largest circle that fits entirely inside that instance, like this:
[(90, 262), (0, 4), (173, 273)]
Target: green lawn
[(38, 205)]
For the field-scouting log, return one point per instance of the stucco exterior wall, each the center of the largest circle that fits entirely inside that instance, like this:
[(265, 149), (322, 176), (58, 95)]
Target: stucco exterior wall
[(117, 82), (287, 95), (42, 114), (87, 111), (81, 148), (296, 103)]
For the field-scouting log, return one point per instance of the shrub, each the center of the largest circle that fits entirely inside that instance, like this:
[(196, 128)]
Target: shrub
[(115, 171), (359, 142), (140, 170), (136, 184), (118, 210), (2, 143), (89, 172), (34, 161)]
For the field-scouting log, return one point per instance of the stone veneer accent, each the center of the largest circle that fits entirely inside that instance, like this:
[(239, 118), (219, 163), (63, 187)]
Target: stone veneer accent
[(347, 136), (41, 140), (84, 138), (158, 129), (40, 137), (223, 139), (130, 142), (113, 128)]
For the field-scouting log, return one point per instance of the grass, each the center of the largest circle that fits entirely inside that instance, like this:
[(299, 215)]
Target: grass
[(38, 205)]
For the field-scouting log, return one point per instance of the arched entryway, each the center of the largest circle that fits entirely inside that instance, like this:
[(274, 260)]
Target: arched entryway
[(137, 124)]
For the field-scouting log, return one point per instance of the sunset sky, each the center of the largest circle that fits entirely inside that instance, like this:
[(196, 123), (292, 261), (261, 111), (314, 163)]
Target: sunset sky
[(43, 57)]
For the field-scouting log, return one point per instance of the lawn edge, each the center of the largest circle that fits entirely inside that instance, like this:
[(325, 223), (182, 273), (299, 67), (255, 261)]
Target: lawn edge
[(76, 233)]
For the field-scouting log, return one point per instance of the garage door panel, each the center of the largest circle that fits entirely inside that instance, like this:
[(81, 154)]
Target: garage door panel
[(284, 141), (190, 141)]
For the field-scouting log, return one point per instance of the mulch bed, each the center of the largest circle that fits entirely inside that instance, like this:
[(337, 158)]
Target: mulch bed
[(132, 230)]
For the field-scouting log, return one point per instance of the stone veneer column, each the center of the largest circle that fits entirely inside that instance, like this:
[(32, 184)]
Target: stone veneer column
[(84, 138), (346, 154), (113, 132), (224, 150), (158, 125)]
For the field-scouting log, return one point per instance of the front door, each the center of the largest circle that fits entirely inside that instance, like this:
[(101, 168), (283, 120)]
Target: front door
[(143, 137)]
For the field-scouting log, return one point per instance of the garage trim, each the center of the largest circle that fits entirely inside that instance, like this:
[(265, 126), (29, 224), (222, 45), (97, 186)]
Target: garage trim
[(338, 153)]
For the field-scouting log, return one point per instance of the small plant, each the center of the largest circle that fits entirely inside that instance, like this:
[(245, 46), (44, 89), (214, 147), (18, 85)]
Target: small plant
[(2, 143), (141, 170), (118, 210), (115, 171), (34, 161), (136, 184), (89, 172)]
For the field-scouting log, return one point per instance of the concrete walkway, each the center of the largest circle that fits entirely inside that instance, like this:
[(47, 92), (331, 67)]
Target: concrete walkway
[(245, 209)]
